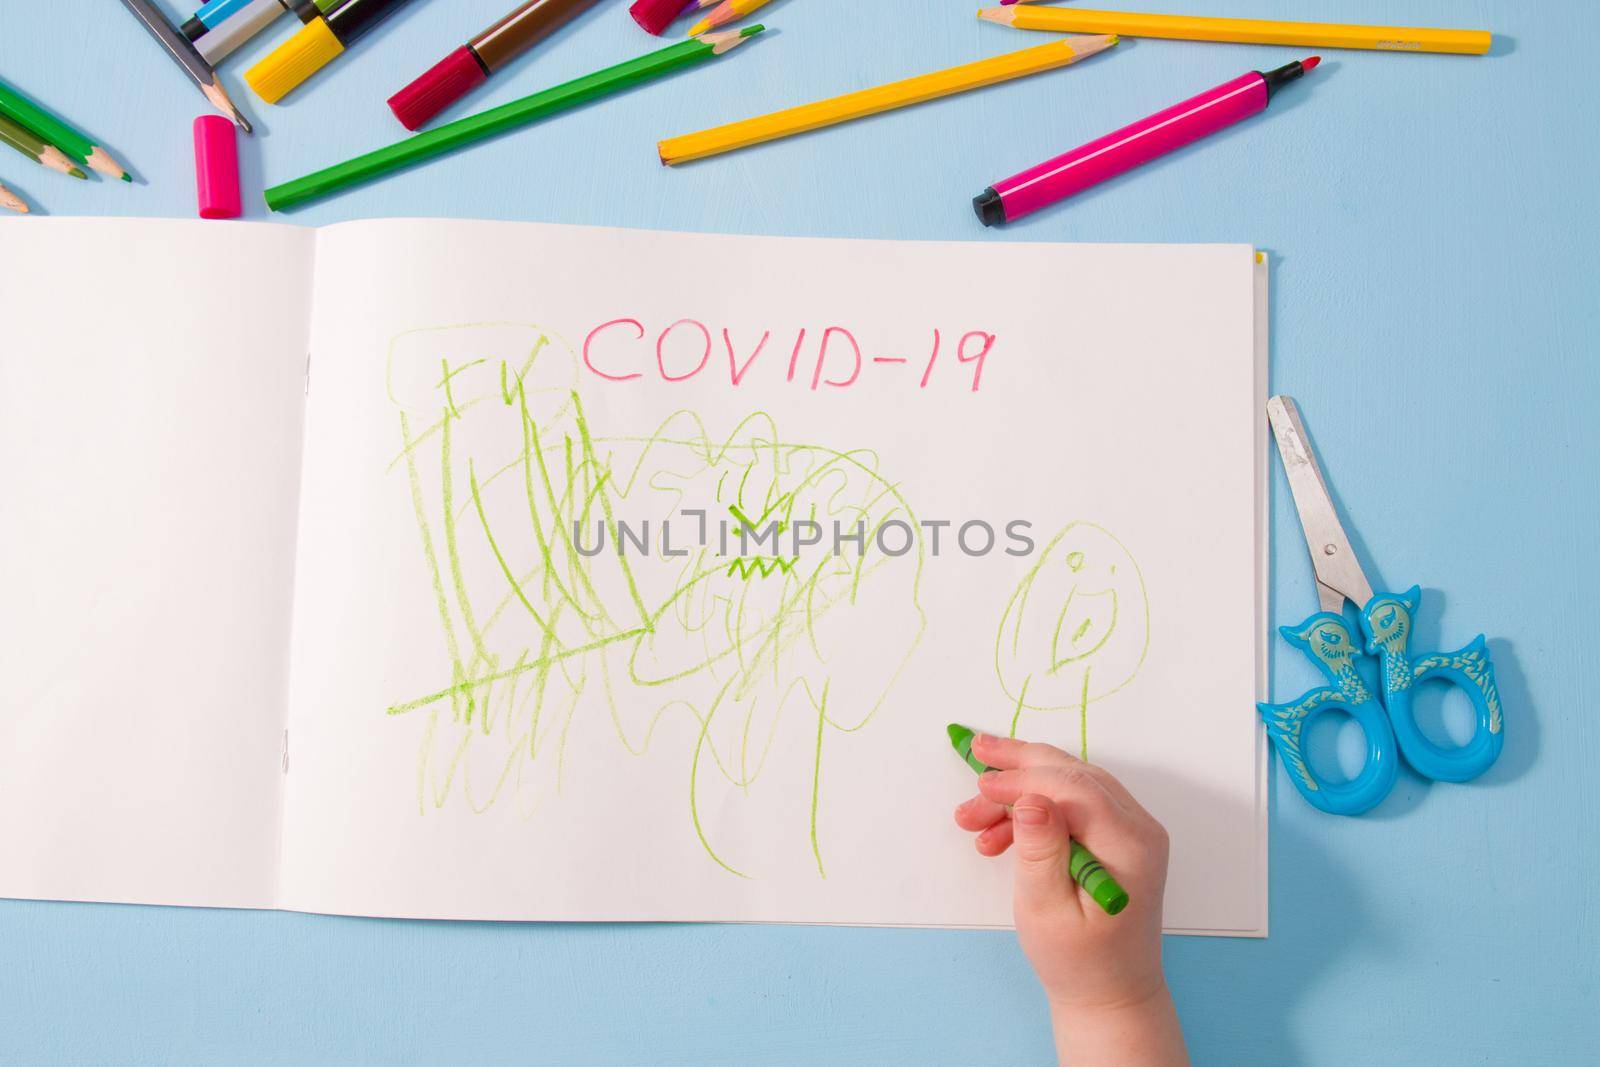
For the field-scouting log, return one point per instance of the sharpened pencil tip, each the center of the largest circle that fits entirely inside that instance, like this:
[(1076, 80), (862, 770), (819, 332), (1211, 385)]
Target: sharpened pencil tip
[(700, 27), (127, 177), (723, 40), (76, 173)]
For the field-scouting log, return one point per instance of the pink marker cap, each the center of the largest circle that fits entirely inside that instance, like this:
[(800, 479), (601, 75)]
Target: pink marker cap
[(216, 167), (656, 15), (437, 88)]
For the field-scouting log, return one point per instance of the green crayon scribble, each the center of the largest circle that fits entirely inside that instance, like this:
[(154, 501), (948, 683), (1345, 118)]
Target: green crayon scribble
[(549, 645)]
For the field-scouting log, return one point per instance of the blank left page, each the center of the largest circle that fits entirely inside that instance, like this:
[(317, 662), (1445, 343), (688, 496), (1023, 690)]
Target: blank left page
[(151, 394)]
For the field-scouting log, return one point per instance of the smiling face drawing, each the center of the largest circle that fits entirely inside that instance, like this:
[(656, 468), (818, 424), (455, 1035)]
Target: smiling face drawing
[(1077, 626)]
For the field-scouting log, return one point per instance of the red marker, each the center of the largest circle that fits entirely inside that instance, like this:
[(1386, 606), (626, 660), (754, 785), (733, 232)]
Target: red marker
[(469, 66), (1090, 164)]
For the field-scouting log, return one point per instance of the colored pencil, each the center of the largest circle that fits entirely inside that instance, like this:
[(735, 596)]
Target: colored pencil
[(183, 53), (469, 66), (316, 44), (880, 98), (48, 128), (725, 13), (23, 140), (484, 125), (1241, 31), (11, 201)]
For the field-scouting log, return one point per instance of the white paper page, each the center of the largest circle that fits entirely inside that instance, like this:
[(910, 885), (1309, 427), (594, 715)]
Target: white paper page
[(485, 727), (151, 393)]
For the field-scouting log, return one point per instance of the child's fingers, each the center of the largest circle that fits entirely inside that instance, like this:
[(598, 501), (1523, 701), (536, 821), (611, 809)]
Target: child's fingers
[(979, 813), (1006, 753), (1040, 875), (1088, 806), (1131, 844), (996, 839)]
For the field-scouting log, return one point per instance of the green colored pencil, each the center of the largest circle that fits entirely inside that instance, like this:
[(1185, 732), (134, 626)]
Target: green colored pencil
[(497, 120), (25, 142), (26, 113), (1087, 871)]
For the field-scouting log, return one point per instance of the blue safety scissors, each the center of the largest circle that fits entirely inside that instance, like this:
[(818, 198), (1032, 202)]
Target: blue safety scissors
[(1386, 628)]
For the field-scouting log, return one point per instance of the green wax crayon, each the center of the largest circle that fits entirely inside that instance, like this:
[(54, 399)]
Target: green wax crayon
[(1087, 871)]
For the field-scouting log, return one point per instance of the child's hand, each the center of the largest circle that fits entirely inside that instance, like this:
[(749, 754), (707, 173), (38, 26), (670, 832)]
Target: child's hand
[(1101, 973)]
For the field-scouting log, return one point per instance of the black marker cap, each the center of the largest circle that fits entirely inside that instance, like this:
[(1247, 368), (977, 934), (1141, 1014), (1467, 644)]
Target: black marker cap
[(991, 212), (194, 29)]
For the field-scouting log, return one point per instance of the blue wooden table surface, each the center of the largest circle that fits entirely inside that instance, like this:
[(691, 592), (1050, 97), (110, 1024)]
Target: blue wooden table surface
[(1433, 228)]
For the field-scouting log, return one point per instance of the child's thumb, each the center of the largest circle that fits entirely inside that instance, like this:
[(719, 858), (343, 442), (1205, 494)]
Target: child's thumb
[(1041, 845)]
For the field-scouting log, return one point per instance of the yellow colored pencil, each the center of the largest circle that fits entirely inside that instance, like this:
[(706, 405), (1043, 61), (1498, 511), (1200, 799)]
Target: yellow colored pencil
[(725, 13), (880, 98), (1242, 31)]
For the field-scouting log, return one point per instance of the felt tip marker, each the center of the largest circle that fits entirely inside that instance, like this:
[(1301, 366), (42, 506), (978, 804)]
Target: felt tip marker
[(1121, 151), (1090, 874), (315, 45), (470, 66)]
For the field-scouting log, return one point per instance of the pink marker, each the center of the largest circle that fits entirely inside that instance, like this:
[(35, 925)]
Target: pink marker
[(216, 167), (1106, 157)]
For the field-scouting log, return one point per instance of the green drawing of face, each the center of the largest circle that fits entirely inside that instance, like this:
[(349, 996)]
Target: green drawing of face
[(1088, 618), (1077, 626)]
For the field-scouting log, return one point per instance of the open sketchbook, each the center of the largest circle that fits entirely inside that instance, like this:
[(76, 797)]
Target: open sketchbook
[(475, 570)]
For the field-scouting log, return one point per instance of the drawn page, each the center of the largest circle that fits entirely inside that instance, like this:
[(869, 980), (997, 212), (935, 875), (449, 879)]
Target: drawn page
[(151, 393), (640, 573)]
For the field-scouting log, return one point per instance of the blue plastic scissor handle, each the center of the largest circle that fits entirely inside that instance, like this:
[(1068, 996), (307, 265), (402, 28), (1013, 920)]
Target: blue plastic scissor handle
[(1327, 639), (1386, 620)]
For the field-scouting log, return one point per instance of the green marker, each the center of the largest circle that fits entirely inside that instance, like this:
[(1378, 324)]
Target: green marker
[(1087, 871)]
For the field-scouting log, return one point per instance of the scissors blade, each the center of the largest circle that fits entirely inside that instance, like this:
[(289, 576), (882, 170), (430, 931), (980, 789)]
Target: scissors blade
[(1339, 575)]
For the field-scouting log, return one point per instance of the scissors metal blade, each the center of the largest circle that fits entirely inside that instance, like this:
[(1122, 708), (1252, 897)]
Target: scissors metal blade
[(1339, 575)]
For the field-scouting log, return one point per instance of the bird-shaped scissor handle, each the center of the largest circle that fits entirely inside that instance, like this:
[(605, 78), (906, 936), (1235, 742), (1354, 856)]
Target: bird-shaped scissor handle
[(1386, 620), (1327, 640)]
